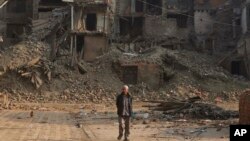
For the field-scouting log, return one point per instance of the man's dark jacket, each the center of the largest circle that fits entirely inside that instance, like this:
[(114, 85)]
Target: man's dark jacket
[(120, 104)]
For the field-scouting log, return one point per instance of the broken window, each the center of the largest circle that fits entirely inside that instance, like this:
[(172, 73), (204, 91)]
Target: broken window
[(17, 6), (154, 7), (91, 22), (131, 26), (130, 74), (180, 19)]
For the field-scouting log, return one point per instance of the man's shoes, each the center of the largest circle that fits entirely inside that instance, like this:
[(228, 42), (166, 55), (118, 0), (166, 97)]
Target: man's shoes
[(119, 137), (126, 138)]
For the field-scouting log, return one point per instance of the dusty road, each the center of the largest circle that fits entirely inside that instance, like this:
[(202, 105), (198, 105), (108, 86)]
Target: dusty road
[(101, 125), (44, 126)]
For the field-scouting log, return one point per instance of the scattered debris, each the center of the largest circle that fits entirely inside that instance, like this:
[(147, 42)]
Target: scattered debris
[(193, 108)]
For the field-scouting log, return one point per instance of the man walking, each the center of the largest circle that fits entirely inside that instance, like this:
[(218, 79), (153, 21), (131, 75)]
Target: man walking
[(124, 111)]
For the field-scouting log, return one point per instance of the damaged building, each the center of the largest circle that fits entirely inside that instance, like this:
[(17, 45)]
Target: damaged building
[(153, 18), (90, 28), (214, 20), (144, 24), (17, 14), (21, 16), (237, 61)]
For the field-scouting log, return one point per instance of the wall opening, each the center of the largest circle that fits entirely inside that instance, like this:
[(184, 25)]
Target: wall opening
[(80, 45), (236, 67), (131, 26), (91, 22), (180, 19), (154, 7), (130, 74)]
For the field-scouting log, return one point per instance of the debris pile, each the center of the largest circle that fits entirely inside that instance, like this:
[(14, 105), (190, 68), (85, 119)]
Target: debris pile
[(34, 70), (31, 76), (192, 108), (28, 74), (28, 60)]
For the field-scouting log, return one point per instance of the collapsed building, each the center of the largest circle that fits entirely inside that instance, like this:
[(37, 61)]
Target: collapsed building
[(90, 28), (136, 42), (23, 16), (138, 25)]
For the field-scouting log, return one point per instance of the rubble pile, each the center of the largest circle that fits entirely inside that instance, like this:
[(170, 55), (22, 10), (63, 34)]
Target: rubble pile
[(28, 60), (201, 65), (31, 76), (22, 53), (192, 70), (193, 108)]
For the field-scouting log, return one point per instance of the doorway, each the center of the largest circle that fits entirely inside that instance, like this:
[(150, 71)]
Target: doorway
[(130, 74), (235, 67)]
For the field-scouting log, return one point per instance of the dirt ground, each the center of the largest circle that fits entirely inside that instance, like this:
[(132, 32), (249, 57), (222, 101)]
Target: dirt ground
[(93, 122)]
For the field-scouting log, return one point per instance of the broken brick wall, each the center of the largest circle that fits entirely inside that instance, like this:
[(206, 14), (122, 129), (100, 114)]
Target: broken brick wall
[(149, 74), (94, 46), (138, 72)]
